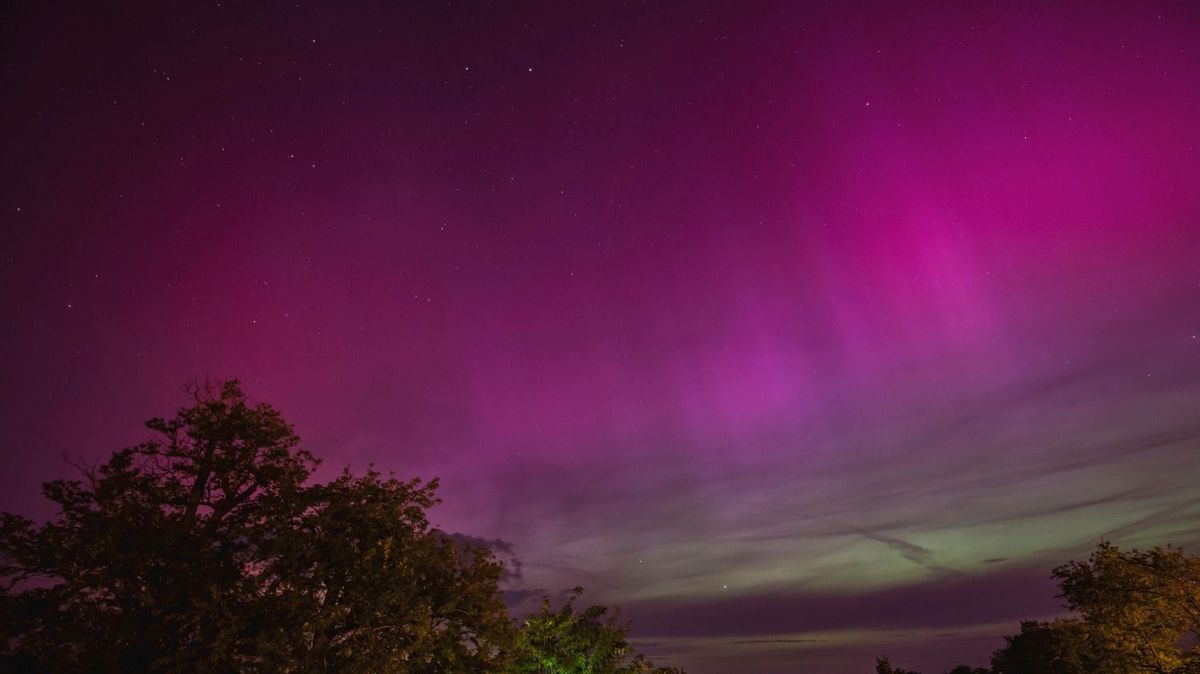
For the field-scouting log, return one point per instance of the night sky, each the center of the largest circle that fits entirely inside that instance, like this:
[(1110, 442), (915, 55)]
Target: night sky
[(803, 332)]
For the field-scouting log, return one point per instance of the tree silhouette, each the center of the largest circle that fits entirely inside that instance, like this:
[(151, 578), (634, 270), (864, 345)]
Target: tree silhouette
[(1058, 647), (204, 550), (207, 549), (883, 665), (375, 589), (1138, 611)]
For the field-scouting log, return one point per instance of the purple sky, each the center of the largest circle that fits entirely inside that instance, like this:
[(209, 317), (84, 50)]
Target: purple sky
[(805, 333)]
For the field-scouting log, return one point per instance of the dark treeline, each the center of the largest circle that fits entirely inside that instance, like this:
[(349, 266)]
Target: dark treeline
[(210, 549), (1135, 611)]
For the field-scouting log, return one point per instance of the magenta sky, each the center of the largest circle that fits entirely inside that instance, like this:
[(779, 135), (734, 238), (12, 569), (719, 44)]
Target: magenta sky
[(803, 332)]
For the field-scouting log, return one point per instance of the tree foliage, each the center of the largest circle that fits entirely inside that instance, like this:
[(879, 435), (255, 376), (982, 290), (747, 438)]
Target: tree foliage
[(883, 665), (1058, 647), (374, 589), (1140, 610), (207, 550), (1137, 611), (584, 642), (145, 565)]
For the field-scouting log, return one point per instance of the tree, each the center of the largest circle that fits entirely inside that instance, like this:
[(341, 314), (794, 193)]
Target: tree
[(375, 589), (883, 665), (567, 642), (1059, 647), (205, 550), (144, 565), (1140, 610)]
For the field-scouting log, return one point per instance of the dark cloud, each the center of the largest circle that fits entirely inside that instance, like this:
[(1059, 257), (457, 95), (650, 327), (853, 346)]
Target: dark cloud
[(503, 550), (745, 642)]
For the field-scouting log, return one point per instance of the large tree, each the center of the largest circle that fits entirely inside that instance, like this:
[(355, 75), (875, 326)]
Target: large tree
[(375, 589), (207, 550), (1138, 611)]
